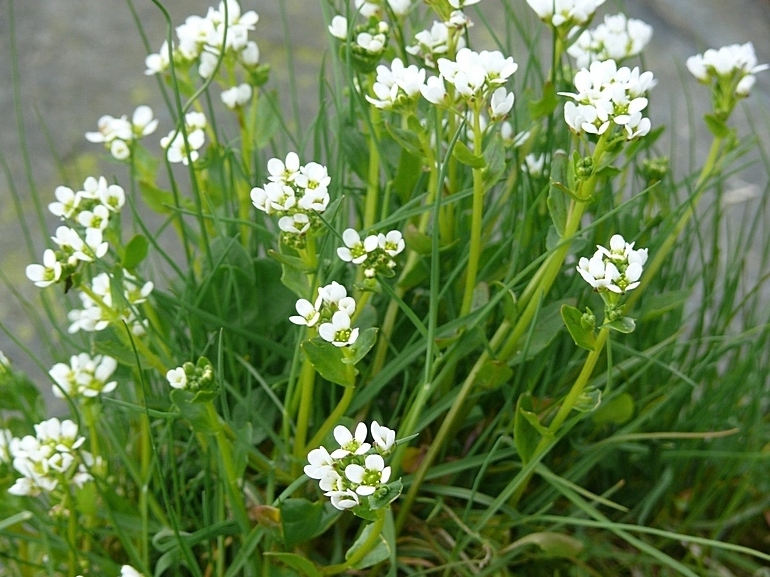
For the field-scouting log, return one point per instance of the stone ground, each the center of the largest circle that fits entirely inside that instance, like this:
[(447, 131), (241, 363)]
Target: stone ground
[(80, 59)]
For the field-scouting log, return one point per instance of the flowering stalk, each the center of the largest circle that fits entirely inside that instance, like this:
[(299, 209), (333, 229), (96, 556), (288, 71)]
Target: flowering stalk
[(373, 176), (307, 384), (363, 550), (476, 218)]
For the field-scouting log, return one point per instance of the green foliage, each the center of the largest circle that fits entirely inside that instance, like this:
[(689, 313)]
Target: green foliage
[(522, 448)]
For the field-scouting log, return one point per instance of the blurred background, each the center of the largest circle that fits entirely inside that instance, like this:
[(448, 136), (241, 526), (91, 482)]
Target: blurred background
[(65, 63)]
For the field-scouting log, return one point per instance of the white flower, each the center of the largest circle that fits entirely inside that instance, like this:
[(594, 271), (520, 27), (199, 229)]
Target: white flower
[(617, 269), (343, 499), (534, 164), (338, 331), (500, 104), (298, 223), (736, 63), (372, 43), (370, 477), (283, 172), (397, 85), (237, 96), (109, 128), (99, 217), (617, 38), (314, 199), (384, 438), (312, 175), (565, 13), (339, 27), (46, 274), (400, 7), (180, 150), (307, 314), (607, 94), (157, 63), (250, 54), (434, 91), (112, 197), (392, 243), (66, 202), (350, 443), (320, 464), (332, 294), (128, 571), (177, 378), (355, 250), (143, 121)]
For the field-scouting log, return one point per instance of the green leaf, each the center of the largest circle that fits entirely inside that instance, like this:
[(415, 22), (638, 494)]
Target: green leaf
[(493, 374), (159, 200), (616, 411), (494, 156), (657, 305), (555, 545), (406, 139), (558, 203), (547, 103), (363, 345), (584, 337), (464, 155), (547, 326), (135, 252), (327, 360), (302, 564), (407, 175), (716, 125), (623, 325), (384, 496), (380, 552), (295, 280), (196, 413), (266, 123), (301, 520), (527, 430)]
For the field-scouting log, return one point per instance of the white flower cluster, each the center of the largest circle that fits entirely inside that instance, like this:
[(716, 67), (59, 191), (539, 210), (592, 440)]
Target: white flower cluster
[(96, 315), (84, 376), (398, 86), (533, 164), (617, 38), (89, 212), (180, 150), (609, 95), (434, 43), (616, 270), (736, 64), (474, 75), (48, 460), (333, 308), (117, 134), (375, 8), (356, 470), (237, 96), (375, 253), (565, 13), (296, 193), (370, 39), (202, 40)]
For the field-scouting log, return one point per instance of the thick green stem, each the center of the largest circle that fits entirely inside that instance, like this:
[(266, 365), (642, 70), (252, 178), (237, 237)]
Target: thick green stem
[(307, 384), (363, 550)]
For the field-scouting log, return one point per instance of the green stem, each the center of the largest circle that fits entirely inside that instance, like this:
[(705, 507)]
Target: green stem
[(547, 441), (373, 176), (363, 550), (331, 420), (228, 468), (307, 384), (476, 220)]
